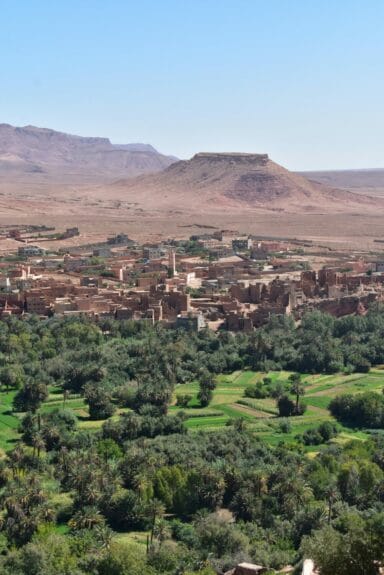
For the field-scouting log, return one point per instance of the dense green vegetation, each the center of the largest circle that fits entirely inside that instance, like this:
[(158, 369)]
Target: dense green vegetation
[(133, 449), (364, 410)]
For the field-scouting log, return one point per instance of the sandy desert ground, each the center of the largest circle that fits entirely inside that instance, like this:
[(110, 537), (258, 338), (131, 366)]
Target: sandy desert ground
[(56, 179), (97, 217), (147, 212)]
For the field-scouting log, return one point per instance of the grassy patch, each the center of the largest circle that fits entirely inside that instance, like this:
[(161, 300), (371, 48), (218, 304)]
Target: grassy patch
[(9, 423), (321, 401), (138, 537)]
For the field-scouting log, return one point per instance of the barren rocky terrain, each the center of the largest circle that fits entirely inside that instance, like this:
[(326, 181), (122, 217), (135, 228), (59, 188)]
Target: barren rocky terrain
[(359, 181), (51, 178), (56, 156), (237, 182)]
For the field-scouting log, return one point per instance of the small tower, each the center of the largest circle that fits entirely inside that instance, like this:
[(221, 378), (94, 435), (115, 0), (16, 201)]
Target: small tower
[(172, 262)]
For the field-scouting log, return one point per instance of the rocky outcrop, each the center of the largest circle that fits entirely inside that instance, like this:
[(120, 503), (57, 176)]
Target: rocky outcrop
[(232, 181), (247, 569), (233, 157), (309, 568)]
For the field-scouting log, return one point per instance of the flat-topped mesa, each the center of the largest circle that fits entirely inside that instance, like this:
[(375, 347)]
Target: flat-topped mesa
[(238, 157)]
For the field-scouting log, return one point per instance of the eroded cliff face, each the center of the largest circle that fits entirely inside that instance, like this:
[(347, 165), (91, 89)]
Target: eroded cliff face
[(30, 149), (237, 179), (236, 158)]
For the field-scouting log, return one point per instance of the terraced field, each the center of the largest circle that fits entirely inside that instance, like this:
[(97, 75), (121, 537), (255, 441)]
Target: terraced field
[(8, 422), (261, 415), (228, 404)]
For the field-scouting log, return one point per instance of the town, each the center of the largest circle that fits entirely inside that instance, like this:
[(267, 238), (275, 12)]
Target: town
[(219, 280)]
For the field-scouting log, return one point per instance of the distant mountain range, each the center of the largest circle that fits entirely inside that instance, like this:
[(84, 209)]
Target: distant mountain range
[(30, 150), (46, 166), (359, 181)]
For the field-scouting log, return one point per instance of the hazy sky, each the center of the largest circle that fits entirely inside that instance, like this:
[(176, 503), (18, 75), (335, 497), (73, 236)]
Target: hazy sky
[(302, 80)]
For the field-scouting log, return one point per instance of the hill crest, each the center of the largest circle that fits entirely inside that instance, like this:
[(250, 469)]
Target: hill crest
[(31, 149), (237, 181)]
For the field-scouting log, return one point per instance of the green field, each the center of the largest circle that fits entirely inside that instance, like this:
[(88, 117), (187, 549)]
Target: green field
[(8, 422), (261, 415), (227, 405)]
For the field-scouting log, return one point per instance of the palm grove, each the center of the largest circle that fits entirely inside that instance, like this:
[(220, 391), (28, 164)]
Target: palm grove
[(202, 501)]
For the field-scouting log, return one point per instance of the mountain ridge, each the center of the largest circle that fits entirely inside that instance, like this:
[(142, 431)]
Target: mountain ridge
[(363, 181), (30, 149)]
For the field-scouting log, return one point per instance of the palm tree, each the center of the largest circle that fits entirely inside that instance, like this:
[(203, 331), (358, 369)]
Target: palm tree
[(297, 388), (263, 346), (91, 493), (296, 494), (16, 459), (109, 477), (161, 531), (87, 518), (157, 510), (25, 506), (171, 361), (66, 394), (332, 495), (143, 484), (38, 443), (260, 482), (105, 536), (240, 424)]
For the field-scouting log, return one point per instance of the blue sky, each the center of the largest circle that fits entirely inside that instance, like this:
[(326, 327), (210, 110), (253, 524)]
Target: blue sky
[(299, 79)]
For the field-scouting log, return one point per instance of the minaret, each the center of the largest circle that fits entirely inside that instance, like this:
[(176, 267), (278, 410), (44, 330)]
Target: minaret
[(172, 262)]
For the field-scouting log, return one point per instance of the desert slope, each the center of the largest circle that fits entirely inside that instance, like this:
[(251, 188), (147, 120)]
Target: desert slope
[(368, 181), (234, 181), (246, 192)]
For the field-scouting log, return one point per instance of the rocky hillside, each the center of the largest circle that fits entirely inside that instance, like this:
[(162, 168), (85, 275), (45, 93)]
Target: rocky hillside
[(236, 181), (30, 150)]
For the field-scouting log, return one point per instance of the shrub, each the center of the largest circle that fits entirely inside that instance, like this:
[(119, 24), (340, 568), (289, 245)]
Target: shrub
[(182, 399), (285, 426), (285, 406)]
